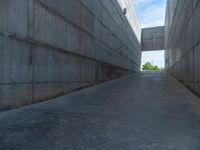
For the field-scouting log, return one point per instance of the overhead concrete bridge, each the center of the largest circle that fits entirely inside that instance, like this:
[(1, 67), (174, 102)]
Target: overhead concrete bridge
[(51, 50)]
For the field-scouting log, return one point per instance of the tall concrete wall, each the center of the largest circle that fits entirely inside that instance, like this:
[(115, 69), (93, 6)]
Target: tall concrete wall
[(51, 47), (182, 39), (131, 17)]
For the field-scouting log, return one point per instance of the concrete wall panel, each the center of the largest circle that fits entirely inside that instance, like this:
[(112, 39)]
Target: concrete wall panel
[(14, 16), (153, 38), (182, 41), (15, 95), (15, 61), (50, 47)]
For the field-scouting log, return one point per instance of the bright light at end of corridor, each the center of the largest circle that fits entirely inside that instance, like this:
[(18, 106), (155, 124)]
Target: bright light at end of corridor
[(154, 57)]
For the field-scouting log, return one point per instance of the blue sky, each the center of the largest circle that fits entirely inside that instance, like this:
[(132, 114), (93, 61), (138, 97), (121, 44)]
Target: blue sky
[(151, 13)]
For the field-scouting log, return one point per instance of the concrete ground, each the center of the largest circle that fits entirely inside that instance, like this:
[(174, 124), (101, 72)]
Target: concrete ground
[(144, 111)]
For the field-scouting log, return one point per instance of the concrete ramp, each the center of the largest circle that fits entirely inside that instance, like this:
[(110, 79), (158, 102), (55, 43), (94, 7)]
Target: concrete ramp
[(153, 38), (144, 111)]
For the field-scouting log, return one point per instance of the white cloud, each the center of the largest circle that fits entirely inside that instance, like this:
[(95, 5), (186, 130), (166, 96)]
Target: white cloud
[(139, 1), (150, 12)]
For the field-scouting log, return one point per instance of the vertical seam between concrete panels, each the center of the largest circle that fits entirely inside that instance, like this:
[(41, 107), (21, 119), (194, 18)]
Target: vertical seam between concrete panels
[(33, 54), (28, 18), (32, 59), (33, 19), (30, 63), (7, 20), (193, 66)]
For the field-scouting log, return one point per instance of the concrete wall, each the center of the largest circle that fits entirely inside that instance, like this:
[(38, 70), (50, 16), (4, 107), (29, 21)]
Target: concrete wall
[(153, 38), (51, 47), (131, 17), (182, 39)]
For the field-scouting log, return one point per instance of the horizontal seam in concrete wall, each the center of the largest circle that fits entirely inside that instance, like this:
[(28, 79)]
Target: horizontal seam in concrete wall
[(158, 37), (108, 28), (42, 44), (68, 20)]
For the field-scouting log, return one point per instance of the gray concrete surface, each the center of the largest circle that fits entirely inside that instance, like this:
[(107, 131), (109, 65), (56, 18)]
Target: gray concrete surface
[(52, 47), (153, 39), (144, 111), (182, 35), (131, 16)]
